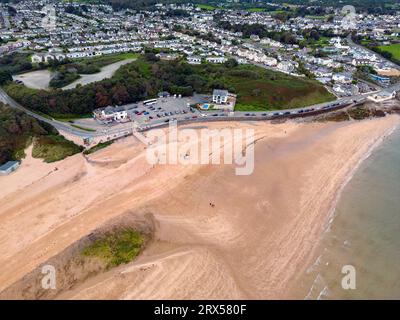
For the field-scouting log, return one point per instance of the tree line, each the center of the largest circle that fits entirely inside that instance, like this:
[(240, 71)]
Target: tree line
[(133, 82)]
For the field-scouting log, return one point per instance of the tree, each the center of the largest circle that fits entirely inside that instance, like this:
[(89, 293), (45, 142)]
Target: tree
[(231, 63), (4, 77)]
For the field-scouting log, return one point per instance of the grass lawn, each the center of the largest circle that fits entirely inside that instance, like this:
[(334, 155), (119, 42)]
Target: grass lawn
[(268, 90), (206, 7), (69, 117), (255, 9), (82, 128), (116, 248), (394, 49), (53, 148)]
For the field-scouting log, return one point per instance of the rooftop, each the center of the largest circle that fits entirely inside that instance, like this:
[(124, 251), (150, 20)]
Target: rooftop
[(8, 165), (218, 92)]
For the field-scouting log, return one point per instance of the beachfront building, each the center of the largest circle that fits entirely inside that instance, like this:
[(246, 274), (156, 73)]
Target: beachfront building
[(9, 167), (110, 113), (223, 100), (220, 96)]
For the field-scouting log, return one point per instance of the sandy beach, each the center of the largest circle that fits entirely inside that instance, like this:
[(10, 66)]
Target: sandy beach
[(252, 243)]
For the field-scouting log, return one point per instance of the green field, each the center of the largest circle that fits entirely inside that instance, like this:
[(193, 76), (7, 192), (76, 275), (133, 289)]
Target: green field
[(394, 49), (82, 128), (255, 9), (69, 117), (116, 248), (259, 90), (206, 7)]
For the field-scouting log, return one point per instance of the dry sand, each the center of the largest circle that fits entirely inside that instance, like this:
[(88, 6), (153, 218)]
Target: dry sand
[(253, 243)]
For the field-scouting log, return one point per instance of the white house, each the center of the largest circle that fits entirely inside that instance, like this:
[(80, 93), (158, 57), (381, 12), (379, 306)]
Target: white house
[(37, 58), (216, 59), (46, 57), (220, 96), (271, 43), (342, 77), (285, 66), (194, 60), (110, 113)]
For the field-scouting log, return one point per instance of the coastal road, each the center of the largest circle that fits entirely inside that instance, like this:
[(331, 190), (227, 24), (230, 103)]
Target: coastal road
[(127, 128), (105, 134), (5, 98)]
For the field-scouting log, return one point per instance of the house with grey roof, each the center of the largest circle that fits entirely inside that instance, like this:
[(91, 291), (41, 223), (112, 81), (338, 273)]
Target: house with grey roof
[(8, 167), (220, 96)]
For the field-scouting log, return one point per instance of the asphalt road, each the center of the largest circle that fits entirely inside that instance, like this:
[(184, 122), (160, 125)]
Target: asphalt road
[(4, 97), (126, 128)]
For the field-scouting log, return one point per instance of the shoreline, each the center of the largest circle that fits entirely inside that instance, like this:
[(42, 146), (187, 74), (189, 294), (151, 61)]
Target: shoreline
[(332, 211)]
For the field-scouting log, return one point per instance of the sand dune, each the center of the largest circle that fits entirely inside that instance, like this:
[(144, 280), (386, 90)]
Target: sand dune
[(252, 243)]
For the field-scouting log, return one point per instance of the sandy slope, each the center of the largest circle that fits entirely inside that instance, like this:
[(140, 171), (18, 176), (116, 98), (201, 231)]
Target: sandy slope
[(251, 244)]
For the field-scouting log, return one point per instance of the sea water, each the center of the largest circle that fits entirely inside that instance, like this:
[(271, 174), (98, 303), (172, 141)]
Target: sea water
[(363, 233)]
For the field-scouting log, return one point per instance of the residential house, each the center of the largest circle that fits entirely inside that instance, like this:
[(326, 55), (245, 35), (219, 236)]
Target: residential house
[(9, 167), (194, 60), (220, 96), (342, 77), (216, 59)]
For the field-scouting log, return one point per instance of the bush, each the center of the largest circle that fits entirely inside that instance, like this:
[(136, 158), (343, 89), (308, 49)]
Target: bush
[(116, 248)]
